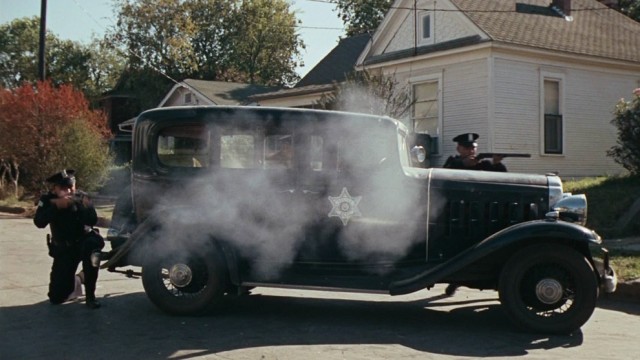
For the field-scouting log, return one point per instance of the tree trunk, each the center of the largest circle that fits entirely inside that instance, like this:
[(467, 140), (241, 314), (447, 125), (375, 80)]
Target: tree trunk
[(11, 170)]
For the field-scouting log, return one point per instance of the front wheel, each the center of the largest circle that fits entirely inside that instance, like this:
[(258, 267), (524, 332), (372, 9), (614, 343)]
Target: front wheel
[(190, 284), (549, 288)]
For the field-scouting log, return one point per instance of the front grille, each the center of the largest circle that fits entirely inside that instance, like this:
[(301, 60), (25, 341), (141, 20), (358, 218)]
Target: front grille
[(462, 223)]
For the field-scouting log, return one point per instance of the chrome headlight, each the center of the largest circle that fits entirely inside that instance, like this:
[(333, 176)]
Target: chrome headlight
[(566, 206), (572, 208)]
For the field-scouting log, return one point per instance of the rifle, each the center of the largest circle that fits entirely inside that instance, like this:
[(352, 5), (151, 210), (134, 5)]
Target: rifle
[(504, 155)]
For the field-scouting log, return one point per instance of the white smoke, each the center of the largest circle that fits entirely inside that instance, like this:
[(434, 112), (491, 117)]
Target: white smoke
[(270, 217)]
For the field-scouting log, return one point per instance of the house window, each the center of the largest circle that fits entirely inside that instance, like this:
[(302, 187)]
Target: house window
[(187, 98), (426, 110), (552, 117), (425, 28)]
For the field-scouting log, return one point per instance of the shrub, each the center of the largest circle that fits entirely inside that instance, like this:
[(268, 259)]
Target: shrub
[(627, 120), (85, 151)]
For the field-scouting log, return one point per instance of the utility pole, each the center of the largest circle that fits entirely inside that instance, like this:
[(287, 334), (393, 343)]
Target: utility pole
[(43, 32)]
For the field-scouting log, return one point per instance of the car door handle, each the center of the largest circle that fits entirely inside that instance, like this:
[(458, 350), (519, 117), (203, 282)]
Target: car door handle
[(290, 191), (310, 192)]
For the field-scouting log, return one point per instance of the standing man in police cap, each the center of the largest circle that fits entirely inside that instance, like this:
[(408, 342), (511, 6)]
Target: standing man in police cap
[(70, 216), (466, 159)]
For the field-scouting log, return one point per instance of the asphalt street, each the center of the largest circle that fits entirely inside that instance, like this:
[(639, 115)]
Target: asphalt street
[(277, 323)]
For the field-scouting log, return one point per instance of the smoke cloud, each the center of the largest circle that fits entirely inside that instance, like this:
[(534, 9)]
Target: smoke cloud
[(275, 216)]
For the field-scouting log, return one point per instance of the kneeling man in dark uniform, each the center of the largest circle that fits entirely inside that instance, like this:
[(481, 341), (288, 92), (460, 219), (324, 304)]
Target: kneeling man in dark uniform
[(70, 216)]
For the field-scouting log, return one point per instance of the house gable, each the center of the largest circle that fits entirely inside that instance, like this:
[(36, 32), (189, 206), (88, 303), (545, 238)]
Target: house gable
[(400, 31), (204, 92)]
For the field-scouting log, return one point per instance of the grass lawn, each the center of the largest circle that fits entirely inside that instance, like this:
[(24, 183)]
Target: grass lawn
[(608, 199)]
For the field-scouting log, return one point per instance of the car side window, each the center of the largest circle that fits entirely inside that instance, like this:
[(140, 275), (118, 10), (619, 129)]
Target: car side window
[(184, 146), (238, 152), (278, 151)]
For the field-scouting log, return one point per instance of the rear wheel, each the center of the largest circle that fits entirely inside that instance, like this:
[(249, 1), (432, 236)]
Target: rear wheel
[(548, 288), (190, 284)]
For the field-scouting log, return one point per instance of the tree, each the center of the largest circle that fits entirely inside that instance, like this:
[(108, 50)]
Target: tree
[(156, 34), (40, 126), (627, 120), (92, 69), (362, 16), (262, 46), (369, 93), (631, 8), (244, 41), (105, 66)]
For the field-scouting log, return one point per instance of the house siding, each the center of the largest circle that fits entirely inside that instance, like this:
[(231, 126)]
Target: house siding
[(465, 103), (464, 100), (588, 101)]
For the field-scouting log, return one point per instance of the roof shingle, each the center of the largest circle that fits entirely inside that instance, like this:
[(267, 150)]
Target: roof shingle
[(595, 30)]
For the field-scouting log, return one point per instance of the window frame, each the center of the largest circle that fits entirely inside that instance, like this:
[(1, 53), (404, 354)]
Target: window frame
[(420, 27), (436, 143), (546, 118)]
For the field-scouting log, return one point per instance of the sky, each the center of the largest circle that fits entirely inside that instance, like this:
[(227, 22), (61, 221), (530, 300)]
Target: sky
[(80, 20)]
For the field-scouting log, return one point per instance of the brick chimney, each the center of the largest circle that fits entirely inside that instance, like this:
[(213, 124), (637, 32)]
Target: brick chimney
[(563, 5)]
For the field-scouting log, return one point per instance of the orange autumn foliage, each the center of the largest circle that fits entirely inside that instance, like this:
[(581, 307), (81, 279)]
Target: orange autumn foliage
[(31, 120)]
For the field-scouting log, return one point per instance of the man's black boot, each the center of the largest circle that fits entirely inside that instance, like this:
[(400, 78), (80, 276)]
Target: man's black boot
[(92, 303)]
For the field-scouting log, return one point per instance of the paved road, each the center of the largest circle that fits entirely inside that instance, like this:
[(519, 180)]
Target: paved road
[(277, 324)]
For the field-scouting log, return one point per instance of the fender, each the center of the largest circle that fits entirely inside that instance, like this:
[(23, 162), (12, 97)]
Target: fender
[(139, 239), (547, 229), (128, 246)]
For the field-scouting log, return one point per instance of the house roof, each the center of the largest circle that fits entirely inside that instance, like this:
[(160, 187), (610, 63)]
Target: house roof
[(226, 93), (296, 91), (334, 67), (338, 63), (595, 29)]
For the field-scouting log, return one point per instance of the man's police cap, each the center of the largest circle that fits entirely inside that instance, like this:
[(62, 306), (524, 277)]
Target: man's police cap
[(467, 139), (63, 178)]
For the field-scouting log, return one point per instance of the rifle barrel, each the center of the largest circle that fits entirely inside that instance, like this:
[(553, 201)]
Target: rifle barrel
[(504, 155)]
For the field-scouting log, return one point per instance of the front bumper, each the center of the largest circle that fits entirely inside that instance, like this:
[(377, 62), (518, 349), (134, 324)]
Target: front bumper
[(608, 277)]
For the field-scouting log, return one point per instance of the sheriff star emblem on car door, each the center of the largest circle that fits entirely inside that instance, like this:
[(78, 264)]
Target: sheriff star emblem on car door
[(345, 206)]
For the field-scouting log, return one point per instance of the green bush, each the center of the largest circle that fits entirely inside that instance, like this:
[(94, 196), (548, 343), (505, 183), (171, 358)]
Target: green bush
[(627, 120), (85, 151)]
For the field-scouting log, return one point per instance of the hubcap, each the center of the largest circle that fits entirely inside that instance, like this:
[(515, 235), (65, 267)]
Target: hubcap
[(180, 275), (549, 291)]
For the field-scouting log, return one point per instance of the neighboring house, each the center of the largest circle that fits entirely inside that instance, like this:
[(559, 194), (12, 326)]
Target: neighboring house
[(332, 68), (205, 92), (191, 92), (527, 76), (530, 76)]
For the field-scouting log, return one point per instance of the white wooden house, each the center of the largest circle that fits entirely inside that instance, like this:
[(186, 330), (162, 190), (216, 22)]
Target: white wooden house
[(530, 76), (533, 76)]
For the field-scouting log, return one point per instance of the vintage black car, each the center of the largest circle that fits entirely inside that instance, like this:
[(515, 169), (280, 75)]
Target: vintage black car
[(224, 199)]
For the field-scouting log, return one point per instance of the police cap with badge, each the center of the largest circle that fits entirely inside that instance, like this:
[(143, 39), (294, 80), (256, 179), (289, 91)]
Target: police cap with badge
[(467, 140), (64, 178)]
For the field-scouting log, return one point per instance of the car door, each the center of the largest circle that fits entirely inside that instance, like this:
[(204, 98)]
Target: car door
[(364, 211)]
